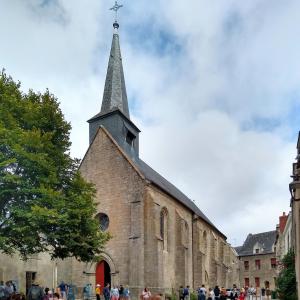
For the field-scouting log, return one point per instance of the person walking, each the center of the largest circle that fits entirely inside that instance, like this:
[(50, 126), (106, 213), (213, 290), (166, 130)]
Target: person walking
[(71, 295), (2, 290), (63, 290), (146, 294), (87, 291), (114, 293), (242, 295), (202, 293), (217, 292), (211, 294), (223, 293), (121, 292), (35, 292), (106, 292), (180, 292), (234, 294), (98, 291), (126, 293), (8, 291), (186, 293)]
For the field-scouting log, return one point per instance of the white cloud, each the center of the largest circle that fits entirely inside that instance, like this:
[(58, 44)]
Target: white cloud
[(205, 110)]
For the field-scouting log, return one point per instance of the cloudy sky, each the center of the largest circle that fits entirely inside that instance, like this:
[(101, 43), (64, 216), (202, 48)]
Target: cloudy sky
[(213, 85)]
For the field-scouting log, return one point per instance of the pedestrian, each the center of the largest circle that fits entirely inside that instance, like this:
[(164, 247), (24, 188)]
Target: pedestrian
[(126, 293), (121, 292), (202, 293), (106, 292), (63, 290), (217, 292), (35, 292), (234, 294), (56, 296), (114, 293), (146, 294), (180, 292), (46, 294), (242, 294), (71, 295), (8, 291), (2, 290), (186, 293), (223, 293), (211, 294), (98, 291), (87, 291)]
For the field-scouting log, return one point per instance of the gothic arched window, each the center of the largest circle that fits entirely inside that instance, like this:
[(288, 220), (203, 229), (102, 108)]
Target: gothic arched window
[(204, 241), (185, 233), (164, 227)]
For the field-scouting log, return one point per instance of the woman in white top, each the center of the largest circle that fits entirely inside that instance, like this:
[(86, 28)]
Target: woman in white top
[(114, 293), (211, 294), (146, 294)]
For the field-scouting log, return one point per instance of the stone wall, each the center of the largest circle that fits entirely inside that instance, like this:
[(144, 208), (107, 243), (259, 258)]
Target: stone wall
[(120, 192)]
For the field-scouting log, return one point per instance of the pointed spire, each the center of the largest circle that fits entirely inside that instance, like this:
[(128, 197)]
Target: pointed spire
[(115, 96)]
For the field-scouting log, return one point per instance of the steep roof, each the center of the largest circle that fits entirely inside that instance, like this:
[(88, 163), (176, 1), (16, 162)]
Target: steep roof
[(172, 190), (265, 241), (114, 95)]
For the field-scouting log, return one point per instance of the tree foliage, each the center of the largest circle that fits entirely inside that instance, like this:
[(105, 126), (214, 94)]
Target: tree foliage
[(45, 204), (286, 281)]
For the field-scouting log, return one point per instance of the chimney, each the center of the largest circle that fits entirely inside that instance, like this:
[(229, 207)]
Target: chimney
[(282, 222)]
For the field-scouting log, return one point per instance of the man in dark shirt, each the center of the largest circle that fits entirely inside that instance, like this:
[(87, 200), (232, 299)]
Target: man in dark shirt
[(106, 292)]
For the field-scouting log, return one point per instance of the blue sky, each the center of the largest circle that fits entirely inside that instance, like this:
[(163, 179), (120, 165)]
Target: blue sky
[(213, 85)]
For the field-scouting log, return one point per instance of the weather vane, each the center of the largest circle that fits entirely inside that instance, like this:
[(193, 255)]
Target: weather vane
[(115, 8)]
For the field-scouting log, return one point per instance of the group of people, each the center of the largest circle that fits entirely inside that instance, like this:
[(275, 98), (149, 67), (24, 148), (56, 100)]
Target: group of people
[(114, 292), (218, 293), (7, 289), (63, 291)]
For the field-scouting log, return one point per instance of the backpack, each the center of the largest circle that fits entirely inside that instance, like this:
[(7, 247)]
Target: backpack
[(35, 293)]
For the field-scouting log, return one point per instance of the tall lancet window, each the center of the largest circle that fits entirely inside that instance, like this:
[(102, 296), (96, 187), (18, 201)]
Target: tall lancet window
[(184, 233), (204, 242), (164, 227)]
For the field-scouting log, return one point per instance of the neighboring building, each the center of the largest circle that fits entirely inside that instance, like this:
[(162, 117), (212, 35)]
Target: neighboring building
[(295, 204), (38, 267), (160, 238), (258, 262)]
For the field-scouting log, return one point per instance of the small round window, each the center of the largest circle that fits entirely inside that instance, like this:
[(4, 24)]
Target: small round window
[(103, 221)]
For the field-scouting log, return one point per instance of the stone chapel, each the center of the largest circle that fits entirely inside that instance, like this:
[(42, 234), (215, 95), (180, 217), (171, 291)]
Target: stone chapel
[(160, 238)]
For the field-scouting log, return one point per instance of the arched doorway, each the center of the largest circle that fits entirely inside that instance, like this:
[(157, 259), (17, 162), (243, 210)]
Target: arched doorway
[(103, 275)]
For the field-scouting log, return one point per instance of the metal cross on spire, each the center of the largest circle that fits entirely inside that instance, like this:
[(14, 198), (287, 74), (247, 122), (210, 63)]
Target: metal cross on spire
[(115, 8)]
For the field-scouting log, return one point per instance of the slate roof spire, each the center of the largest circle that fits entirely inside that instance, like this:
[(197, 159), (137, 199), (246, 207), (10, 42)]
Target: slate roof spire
[(115, 96)]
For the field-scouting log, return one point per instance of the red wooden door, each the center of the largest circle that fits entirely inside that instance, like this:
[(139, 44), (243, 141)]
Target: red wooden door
[(100, 274)]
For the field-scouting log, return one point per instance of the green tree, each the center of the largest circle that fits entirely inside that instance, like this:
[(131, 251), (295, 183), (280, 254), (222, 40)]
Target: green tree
[(286, 281), (45, 204)]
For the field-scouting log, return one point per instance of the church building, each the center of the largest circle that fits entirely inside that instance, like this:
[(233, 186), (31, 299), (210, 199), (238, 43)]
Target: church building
[(160, 238)]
